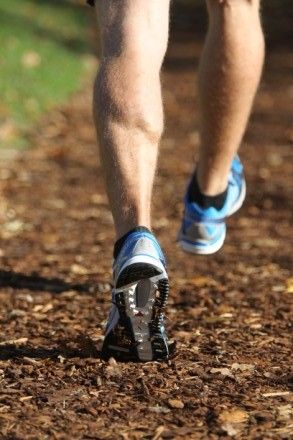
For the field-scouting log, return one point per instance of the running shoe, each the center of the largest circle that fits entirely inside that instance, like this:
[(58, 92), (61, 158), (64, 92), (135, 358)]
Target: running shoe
[(135, 329), (203, 231)]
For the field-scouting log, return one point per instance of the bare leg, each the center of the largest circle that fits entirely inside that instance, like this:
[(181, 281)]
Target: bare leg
[(230, 71), (128, 105)]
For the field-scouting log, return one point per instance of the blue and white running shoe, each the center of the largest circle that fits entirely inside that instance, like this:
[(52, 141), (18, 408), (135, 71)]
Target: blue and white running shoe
[(135, 329), (203, 231)]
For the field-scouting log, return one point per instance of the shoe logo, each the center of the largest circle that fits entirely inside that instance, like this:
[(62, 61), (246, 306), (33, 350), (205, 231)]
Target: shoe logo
[(144, 246), (197, 231)]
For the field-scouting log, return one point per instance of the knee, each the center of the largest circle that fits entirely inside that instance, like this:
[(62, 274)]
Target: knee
[(216, 6), (241, 16)]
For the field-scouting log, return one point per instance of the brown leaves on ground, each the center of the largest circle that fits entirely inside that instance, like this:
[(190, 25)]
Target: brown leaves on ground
[(229, 312)]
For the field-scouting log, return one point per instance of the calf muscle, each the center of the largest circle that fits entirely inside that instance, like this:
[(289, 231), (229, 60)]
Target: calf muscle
[(128, 105)]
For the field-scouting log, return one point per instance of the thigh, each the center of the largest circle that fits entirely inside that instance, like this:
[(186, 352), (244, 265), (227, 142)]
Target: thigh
[(134, 26)]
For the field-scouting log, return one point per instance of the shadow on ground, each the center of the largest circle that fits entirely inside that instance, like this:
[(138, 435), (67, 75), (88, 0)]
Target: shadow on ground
[(36, 282)]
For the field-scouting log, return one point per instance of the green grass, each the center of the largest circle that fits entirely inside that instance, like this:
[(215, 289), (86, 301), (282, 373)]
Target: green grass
[(43, 60)]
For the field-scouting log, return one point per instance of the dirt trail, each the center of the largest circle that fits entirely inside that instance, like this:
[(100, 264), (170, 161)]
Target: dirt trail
[(230, 313)]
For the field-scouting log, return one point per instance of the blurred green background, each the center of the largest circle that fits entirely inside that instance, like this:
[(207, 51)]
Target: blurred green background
[(44, 58), (46, 52)]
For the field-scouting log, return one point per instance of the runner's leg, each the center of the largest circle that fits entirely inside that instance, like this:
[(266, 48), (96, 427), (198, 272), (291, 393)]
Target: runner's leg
[(128, 105), (230, 71)]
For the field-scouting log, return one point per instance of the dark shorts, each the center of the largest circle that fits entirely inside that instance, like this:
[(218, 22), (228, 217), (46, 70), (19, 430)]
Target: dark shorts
[(91, 2)]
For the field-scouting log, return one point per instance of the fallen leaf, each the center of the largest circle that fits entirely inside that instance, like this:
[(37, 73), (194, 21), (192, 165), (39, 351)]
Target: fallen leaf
[(256, 326), (215, 319), (43, 308), (202, 281), (195, 312), (77, 269), (230, 429), (266, 242), (159, 409), (276, 394), (31, 361), (19, 341), (113, 368), (222, 371), (289, 285), (23, 399), (176, 403), (47, 308), (242, 367), (12, 229), (112, 362), (226, 315), (61, 359), (233, 416), (285, 411), (16, 313), (159, 431)]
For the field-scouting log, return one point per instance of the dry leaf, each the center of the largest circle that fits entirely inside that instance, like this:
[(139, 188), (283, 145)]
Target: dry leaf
[(242, 367), (158, 433), (215, 319), (77, 269), (176, 403), (61, 359), (285, 411), (289, 285), (276, 394), (195, 312), (202, 281), (47, 308), (222, 371), (19, 341), (232, 416), (113, 368), (230, 429), (31, 361), (12, 229), (23, 399), (159, 409)]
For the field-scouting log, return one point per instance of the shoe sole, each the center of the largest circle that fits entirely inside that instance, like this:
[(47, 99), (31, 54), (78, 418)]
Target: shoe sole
[(215, 247), (141, 296)]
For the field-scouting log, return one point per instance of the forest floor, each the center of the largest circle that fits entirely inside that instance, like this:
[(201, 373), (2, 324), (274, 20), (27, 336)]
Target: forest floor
[(229, 313)]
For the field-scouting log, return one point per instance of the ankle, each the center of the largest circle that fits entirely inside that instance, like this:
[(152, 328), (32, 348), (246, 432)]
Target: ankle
[(211, 182), (120, 242), (195, 195)]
